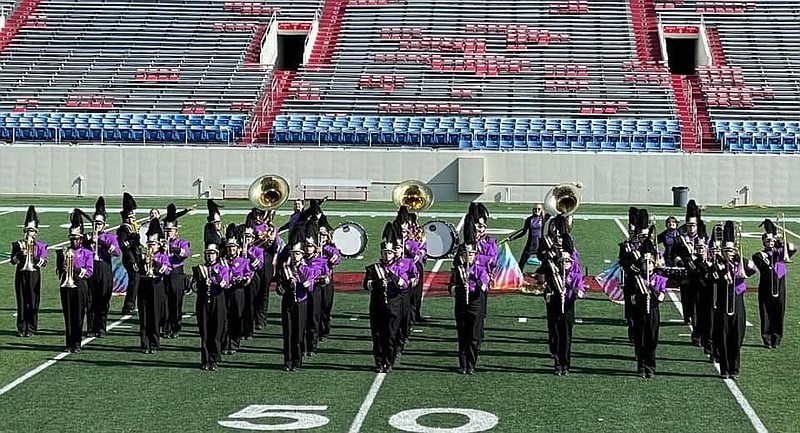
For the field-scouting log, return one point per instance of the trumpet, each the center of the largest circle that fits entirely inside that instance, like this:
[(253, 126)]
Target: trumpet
[(27, 246), (781, 219), (66, 263)]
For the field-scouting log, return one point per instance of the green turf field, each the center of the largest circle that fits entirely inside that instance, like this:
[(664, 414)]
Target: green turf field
[(111, 387)]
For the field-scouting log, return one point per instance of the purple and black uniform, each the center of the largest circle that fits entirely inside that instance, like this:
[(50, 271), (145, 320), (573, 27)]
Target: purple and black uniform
[(28, 286)]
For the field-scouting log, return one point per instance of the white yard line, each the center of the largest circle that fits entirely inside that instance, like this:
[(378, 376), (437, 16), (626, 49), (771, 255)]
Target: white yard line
[(732, 386), (6, 212), (55, 359), (792, 233), (355, 427)]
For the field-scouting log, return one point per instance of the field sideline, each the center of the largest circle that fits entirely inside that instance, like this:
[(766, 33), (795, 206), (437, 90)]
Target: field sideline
[(110, 386)]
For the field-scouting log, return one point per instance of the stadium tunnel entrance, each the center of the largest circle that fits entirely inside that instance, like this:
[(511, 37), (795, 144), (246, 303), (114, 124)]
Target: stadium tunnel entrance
[(291, 48), (682, 55)]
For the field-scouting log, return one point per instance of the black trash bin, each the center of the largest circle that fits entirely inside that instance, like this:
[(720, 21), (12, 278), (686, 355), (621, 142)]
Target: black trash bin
[(680, 196)]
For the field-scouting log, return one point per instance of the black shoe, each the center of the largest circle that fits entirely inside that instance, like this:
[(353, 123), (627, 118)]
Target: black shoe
[(102, 334), (462, 371), (213, 366), (233, 352), (388, 369), (76, 349), (153, 351), (287, 368), (293, 368), (259, 327), (90, 335), (649, 375), (67, 349), (725, 376), (226, 352), (774, 346), (323, 339), (556, 372), (145, 351), (204, 367), (735, 377), (565, 371), (471, 371), (312, 353), (379, 369), (20, 334)]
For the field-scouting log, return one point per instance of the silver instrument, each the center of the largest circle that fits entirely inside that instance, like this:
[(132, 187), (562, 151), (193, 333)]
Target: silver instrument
[(27, 246)]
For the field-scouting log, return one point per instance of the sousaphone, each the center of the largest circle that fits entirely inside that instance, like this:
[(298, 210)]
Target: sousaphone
[(268, 192)]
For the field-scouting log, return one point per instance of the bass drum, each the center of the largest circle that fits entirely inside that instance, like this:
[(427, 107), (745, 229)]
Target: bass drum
[(350, 238), (442, 239)]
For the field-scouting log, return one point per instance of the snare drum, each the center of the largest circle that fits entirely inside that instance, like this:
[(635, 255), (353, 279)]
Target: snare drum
[(350, 238), (442, 239)]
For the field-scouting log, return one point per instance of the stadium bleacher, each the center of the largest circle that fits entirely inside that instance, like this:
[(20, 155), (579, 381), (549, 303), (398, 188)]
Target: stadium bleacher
[(521, 75), (752, 89)]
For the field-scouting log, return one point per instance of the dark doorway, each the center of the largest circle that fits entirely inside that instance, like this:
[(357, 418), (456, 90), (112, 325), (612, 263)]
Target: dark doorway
[(290, 52), (682, 53)]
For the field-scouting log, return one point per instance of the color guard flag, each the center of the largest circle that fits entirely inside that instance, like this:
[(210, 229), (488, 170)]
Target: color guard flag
[(611, 282), (507, 275)]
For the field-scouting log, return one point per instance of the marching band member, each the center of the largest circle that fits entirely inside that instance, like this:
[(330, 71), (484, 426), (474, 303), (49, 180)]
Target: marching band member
[(409, 269), (730, 271), (551, 247), (486, 245), (210, 281), (178, 251), (314, 304), (212, 232), (334, 258), (469, 283), (630, 258), (130, 244), (75, 266), (104, 246), (697, 264), (416, 249), (255, 256), (533, 227), (649, 290), (771, 264), (388, 283), (669, 238), (265, 238), (564, 286), (28, 256), (241, 274), (689, 289), (295, 281), (154, 268)]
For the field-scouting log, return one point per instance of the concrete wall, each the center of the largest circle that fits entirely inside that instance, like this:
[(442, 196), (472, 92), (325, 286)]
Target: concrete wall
[(607, 177)]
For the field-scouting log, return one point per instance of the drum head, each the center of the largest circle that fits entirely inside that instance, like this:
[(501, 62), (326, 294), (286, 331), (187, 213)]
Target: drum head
[(442, 239), (350, 238)]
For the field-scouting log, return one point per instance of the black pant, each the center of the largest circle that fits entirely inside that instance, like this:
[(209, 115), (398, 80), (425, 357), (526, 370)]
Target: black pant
[(27, 287), (313, 316), (232, 336), (327, 309), (173, 287), (645, 334), (249, 314), (132, 290), (211, 323), (530, 250), (772, 311), (151, 295), (261, 301), (559, 329), (415, 296), (705, 318), (469, 327), (100, 287), (729, 335), (689, 302), (73, 305), (378, 315), (293, 318)]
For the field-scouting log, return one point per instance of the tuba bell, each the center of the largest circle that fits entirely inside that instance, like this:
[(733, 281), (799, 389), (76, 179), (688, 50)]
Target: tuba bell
[(563, 199), (268, 192), (415, 195)]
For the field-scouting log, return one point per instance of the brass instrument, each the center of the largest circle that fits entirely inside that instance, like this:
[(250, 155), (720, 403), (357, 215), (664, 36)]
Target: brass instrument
[(563, 199), (288, 280), (646, 286), (559, 274), (462, 280), (149, 270), (268, 192), (66, 262), (203, 272), (781, 219), (415, 195), (96, 246), (731, 304), (28, 246)]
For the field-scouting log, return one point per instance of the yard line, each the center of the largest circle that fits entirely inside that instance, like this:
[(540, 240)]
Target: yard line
[(355, 427), (55, 359), (793, 233), (6, 212), (732, 387)]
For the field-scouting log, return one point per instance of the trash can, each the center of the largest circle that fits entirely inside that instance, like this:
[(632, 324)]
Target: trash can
[(680, 196)]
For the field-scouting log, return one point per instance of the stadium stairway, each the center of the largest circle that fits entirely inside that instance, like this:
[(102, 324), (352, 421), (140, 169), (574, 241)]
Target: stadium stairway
[(268, 107), (18, 19)]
